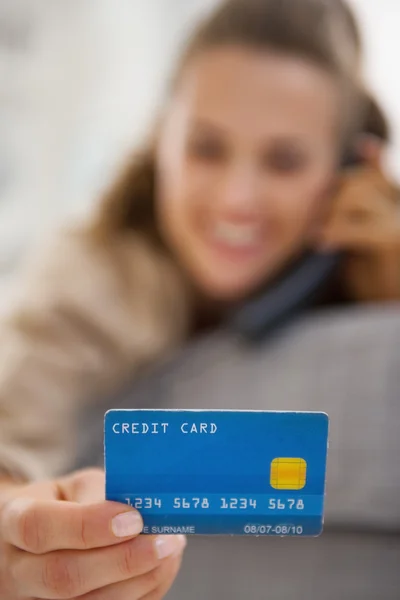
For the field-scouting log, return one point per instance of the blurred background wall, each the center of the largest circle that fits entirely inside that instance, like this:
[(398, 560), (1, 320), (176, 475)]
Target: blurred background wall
[(79, 83)]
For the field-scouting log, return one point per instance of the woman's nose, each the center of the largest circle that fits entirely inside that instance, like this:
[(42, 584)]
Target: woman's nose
[(239, 189)]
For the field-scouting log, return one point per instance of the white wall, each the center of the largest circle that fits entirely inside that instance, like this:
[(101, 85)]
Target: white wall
[(380, 20), (79, 83)]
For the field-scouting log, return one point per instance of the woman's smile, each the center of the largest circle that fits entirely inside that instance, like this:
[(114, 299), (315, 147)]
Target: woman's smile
[(235, 242)]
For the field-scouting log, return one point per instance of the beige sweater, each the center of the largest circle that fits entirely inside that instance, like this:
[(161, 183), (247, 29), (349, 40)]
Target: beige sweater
[(85, 318)]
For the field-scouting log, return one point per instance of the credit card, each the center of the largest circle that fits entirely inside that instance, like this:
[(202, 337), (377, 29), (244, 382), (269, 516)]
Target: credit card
[(220, 472)]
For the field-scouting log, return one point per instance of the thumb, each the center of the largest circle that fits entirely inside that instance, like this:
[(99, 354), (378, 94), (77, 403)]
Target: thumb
[(76, 517)]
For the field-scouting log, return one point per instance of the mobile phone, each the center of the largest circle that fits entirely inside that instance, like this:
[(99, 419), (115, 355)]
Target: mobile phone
[(290, 294)]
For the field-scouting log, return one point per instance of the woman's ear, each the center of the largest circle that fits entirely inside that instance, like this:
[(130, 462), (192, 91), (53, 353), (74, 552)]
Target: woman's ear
[(370, 149)]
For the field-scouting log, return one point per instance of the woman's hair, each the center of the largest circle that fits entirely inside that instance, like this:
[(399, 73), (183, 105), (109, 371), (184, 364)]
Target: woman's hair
[(324, 32)]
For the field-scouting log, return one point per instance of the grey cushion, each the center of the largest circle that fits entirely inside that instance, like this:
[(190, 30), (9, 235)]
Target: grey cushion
[(344, 362), (336, 566)]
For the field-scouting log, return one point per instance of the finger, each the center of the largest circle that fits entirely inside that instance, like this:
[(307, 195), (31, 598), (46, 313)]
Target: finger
[(161, 578), (86, 486), (344, 241), (164, 588), (43, 526), (356, 237), (43, 490), (70, 574)]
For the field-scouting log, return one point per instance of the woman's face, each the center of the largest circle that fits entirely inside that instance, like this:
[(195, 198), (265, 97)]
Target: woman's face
[(246, 158)]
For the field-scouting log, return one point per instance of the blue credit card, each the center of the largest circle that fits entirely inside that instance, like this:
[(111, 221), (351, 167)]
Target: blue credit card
[(219, 472)]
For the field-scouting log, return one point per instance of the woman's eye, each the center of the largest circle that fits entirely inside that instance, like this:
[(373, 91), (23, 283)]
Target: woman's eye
[(206, 150), (283, 162)]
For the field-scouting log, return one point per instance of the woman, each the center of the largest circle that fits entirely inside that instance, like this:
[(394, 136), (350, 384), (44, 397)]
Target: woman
[(242, 177)]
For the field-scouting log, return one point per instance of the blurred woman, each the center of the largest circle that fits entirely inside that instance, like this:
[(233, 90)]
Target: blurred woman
[(242, 176)]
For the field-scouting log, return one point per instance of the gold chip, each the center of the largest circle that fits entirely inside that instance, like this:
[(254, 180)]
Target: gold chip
[(288, 473)]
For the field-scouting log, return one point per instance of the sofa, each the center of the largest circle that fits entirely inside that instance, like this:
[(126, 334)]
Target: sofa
[(345, 362)]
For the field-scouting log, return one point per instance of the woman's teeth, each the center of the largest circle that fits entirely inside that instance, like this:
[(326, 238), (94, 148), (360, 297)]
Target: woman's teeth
[(238, 235)]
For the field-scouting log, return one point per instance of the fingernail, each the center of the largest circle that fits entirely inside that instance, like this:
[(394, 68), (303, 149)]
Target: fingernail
[(166, 545), (127, 524)]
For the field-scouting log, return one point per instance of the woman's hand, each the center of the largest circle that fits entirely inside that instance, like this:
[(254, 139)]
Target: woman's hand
[(62, 540), (365, 223)]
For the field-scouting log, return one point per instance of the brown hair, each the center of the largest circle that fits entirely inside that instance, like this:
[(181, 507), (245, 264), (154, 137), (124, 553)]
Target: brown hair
[(322, 31)]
